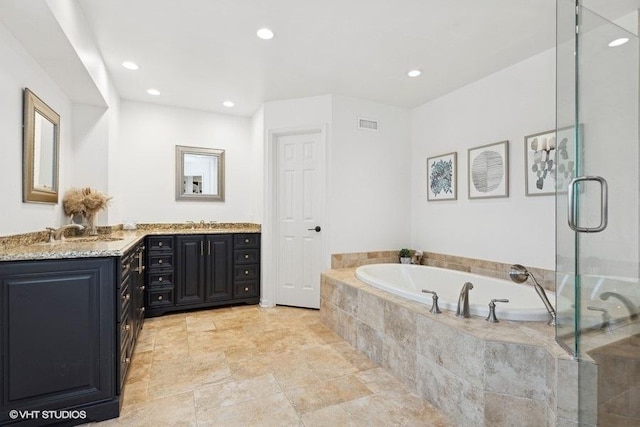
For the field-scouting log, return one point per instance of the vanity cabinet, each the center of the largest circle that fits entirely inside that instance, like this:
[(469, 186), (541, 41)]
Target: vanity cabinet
[(202, 270), (57, 345), (160, 272), (130, 307)]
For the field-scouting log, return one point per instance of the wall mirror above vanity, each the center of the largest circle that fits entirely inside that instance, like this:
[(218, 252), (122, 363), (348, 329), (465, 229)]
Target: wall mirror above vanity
[(41, 146), (199, 173)]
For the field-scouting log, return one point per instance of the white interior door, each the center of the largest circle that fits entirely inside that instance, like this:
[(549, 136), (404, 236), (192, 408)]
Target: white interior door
[(300, 186)]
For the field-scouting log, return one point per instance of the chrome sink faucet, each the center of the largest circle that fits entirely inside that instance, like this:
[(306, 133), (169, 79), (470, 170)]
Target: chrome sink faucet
[(58, 234), (463, 300)]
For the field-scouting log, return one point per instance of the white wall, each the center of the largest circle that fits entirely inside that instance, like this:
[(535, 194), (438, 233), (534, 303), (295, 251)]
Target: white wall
[(148, 136), (369, 175), (18, 71), (512, 103)]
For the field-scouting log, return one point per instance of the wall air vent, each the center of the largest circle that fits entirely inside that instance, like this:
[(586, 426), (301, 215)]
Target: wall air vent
[(367, 124)]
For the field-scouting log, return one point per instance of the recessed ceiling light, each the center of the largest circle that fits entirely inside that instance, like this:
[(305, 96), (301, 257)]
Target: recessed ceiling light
[(154, 92), (265, 34), (130, 65), (618, 42), (414, 73), (228, 104)]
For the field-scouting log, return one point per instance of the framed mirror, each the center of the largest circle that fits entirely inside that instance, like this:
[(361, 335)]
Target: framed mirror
[(41, 146), (199, 174)]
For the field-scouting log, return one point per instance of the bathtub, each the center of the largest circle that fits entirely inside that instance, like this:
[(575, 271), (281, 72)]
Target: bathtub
[(407, 281)]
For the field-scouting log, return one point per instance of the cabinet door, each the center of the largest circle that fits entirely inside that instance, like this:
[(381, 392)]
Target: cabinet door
[(219, 278), (190, 270), (57, 321)]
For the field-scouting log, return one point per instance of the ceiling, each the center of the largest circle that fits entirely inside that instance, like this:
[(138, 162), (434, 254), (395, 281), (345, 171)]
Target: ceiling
[(199, 53)]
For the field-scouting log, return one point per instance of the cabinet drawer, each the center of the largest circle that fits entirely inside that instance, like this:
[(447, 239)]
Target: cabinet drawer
[(159, 297), (161, 279), (246, 289), (160, 243), (246, 241), (246, 272), (158, 261), (246, 256)]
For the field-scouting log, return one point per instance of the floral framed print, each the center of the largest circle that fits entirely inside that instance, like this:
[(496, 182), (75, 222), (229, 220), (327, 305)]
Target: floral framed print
[(488, 171), (442, 181), (549, 161)]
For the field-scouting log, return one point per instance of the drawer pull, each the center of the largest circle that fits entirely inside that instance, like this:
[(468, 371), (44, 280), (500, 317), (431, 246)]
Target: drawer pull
[(246, 257), (142, 288), (127, 327), (246, 289), (159, 297), (159, 261), (160, 279), (141, 309), (246, 272), (127, 297), (160, 244), (127, 360), (246, 240)]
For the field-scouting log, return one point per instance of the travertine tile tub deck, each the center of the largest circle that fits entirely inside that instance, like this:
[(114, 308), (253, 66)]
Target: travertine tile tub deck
[(476, 372)]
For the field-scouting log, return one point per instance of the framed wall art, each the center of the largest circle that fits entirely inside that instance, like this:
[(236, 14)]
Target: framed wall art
[(442, 181), (488, 170), (549, 161)]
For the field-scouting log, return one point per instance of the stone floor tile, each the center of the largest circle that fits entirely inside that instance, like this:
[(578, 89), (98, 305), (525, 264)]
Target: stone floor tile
[(326, 393)]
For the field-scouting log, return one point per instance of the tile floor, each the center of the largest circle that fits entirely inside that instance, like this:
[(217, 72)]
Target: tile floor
[(253, 366)]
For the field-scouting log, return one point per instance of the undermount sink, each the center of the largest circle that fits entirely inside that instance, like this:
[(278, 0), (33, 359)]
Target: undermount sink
[(92, 239), (88, 239)]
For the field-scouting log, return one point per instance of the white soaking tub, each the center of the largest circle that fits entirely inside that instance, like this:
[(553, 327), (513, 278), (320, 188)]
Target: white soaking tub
[(408, 280)]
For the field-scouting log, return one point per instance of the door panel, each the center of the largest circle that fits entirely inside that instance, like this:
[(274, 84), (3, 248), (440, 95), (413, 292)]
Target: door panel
[(190, 263), (299, 210), (219, 267)]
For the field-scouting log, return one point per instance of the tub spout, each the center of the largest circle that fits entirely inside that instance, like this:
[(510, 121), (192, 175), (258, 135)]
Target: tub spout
[(633, 310), (463, 300)]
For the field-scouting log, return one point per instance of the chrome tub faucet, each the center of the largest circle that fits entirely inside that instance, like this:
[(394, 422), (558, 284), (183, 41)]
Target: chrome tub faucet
[(463, 301)]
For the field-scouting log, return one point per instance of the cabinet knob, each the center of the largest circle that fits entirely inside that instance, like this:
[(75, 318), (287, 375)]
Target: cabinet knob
[(159, 297), (246, 272), (160, 244), (246, 240), (159, 261), (127, 360), (142, 288), (246, 289), (160, 279), (141, 309), (246, 257), (127, 297), (127, 327)]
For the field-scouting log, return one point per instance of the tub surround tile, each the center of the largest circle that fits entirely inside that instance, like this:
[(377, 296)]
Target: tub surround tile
[(400, 324), (517, 362), (506, 410)]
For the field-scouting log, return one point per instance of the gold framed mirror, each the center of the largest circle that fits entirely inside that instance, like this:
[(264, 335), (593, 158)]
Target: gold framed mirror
[(41, 147), (199, 174)]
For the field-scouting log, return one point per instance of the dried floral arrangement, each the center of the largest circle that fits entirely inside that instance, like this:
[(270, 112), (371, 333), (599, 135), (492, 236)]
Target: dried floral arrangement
[(84, 201)]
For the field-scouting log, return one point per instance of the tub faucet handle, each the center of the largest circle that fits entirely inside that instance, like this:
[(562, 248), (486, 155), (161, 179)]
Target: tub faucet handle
[(606, 317), (434, 307), (492, 310)]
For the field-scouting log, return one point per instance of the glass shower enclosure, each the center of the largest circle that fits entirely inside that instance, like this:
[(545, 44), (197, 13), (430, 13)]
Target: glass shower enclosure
[(597, 204)]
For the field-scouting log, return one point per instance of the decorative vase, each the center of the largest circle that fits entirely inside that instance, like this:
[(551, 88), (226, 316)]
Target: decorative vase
[(92, 230)]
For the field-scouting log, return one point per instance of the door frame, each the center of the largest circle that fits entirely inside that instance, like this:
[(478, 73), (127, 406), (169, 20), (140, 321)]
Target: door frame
[(270, 227)]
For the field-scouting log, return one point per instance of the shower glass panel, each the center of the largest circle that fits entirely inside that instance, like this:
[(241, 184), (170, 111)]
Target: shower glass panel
[(597, 205)]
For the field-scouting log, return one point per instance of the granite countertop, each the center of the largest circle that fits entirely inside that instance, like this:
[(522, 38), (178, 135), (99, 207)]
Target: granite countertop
[(113, 244)]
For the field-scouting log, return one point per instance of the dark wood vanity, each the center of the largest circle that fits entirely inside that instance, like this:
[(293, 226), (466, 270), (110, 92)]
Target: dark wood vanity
[(68, 327)]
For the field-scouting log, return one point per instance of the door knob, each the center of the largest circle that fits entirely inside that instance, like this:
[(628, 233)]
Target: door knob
[(316, 229)]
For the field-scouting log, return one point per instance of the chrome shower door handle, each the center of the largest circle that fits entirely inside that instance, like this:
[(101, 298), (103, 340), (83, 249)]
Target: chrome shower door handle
[(604, 204)]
